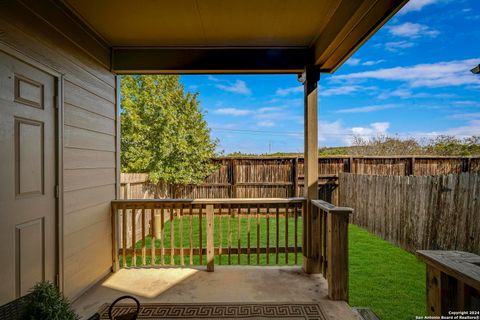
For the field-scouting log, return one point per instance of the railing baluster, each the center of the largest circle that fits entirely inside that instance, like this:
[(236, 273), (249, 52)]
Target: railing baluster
[(210, 245), (152, 243), (248, 234), (162, 235), (296, 233), (286, 233), (268, 234), (220, 234), (191, 235), (277, 235), (229, 234), (144, 251), (134, 237), (124, 236), (239, 211), (200, 231), (182, 258), (258, 234), (172, 235)]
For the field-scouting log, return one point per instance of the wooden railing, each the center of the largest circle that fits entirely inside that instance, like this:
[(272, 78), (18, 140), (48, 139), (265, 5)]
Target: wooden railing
[(160, 232), (330, 245), (206, 231)]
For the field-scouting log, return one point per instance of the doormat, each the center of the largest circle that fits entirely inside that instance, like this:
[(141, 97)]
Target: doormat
[(287, 311)]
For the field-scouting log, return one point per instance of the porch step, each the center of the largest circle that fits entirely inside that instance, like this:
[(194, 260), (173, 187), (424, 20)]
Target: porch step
[(366, 314)]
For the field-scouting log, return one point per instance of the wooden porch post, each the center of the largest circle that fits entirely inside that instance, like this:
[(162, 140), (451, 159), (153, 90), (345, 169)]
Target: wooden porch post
[(337, 253), (311, 225)]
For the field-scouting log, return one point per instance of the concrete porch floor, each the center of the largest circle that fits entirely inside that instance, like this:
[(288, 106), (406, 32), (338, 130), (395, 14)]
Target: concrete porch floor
[(225, 284)]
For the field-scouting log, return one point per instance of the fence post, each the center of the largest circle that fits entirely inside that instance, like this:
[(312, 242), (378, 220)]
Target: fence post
[(210, 243), (294, 177), (337, 253)]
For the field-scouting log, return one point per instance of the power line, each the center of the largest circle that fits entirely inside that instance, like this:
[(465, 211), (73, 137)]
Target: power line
[(289, 133)]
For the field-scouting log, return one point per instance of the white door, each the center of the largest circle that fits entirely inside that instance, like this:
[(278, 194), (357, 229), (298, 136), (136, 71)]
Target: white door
[(27, 177)]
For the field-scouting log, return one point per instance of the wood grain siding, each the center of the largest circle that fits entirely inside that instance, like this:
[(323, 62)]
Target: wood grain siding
[(89, 137), (76, 179), (84, 218), (86, 198), (83, 159), (86, 139)]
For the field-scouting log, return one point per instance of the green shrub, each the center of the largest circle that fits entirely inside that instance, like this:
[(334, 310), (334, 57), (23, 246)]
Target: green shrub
[(46, 302)]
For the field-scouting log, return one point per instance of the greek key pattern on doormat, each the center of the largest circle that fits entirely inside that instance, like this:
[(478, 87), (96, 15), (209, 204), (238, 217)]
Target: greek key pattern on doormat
[(309, 311)]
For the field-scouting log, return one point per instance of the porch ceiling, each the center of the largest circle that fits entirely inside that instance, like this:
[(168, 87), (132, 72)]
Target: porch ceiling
[(333, 28)]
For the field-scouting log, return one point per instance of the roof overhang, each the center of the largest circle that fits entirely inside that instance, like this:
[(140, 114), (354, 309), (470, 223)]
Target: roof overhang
[(476, 70), (217, 36)]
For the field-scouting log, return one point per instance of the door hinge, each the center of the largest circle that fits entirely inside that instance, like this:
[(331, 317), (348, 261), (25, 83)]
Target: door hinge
[(57, 191)]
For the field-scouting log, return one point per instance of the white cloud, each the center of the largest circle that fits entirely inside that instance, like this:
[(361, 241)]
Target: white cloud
[(269, 109), (212, 78), (416, 5), (287, 102), (353, 62), (266, 123), (346, 89), (440, 74), (413, 30), (233, 112), (400, 93), (372, 62), (396, 46), (336, 91), (374, 129), (473, 17), (337, 134), (239, 87), (467, 103), (466, 116), (282, 92), (357, 62), (332, 131), (471, 128), (366, 109)]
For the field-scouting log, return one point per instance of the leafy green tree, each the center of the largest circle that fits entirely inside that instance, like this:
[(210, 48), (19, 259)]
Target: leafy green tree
[(451, 146), (385, 146), (163, 131)]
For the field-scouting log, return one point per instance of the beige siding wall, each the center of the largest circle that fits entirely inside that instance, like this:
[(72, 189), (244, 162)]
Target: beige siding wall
[(89, 142)]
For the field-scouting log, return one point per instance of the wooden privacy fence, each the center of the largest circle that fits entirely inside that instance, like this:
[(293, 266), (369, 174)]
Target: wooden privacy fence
[(417, 212), (267, 177)]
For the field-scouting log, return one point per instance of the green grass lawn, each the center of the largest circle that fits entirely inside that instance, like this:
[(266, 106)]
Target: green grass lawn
[(224, 240), (383, 277)]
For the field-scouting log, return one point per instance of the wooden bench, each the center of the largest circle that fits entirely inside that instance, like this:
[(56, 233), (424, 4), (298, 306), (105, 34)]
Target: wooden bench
[(453, 281)]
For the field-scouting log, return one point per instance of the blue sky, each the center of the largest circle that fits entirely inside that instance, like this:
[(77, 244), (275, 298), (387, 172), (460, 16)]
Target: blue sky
[(411, 79)]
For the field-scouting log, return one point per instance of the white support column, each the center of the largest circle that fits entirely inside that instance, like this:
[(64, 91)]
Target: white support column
[(311, 225)]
